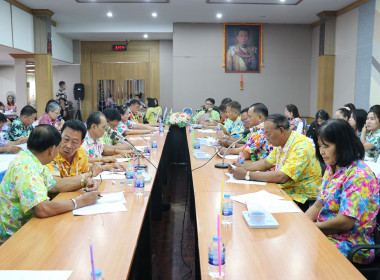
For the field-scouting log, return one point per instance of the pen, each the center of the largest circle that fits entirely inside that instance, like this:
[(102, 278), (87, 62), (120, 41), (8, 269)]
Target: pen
[(86, 190)]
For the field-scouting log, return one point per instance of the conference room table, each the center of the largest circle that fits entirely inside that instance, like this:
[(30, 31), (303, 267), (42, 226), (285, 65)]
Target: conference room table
[(62, 242), (297, 249)]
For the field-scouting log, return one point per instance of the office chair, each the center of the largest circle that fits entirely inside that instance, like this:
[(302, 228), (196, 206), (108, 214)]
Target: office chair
[(370, 271)]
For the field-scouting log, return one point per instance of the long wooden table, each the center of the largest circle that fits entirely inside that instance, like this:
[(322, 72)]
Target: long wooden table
[(297, 249), (61, 242)]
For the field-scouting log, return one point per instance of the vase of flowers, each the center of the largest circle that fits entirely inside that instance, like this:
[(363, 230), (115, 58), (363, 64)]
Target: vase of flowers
[(179, 119)]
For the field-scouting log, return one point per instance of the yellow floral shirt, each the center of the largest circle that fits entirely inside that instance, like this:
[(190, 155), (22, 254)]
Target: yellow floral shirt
[(297, 160), (61, 167)]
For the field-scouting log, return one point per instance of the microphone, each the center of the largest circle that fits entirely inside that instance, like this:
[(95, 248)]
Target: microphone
[(225, 165)]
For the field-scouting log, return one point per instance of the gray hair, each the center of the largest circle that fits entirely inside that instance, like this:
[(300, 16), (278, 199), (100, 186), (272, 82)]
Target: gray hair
[(52, 107)]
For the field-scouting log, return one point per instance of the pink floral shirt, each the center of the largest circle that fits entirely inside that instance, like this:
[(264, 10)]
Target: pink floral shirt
[(46, 119), (351, 191)]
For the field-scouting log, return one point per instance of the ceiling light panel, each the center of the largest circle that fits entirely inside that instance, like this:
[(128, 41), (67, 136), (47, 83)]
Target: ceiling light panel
[(257, 2), (122, 1)]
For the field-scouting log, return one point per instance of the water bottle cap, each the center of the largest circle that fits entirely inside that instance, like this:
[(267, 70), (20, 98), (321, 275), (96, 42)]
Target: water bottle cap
[(139, 172), (215, 238), (227, 195), (98, 273)]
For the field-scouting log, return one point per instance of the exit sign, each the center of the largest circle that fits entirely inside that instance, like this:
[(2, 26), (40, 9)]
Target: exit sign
[(119, 48)]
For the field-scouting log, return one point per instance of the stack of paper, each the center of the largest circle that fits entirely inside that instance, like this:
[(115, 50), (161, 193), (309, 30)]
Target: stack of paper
[(112, 202), (202, 155), (110, 175), (269, 202), (228, 156), (236, 181), (207, 130), (35, 274)]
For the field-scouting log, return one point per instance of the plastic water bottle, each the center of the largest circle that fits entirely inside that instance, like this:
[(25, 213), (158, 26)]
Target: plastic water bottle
[(139, 183), (161, 129), (146, 151), (219, 127), (241, 158), (154, 145), (213, 258), (129, 174), (228, 208)]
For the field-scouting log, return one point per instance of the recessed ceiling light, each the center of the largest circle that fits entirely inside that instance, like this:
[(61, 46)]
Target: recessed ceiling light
[(154, 14), (145, 36), (219, 15), (282, 0), (109, 14)]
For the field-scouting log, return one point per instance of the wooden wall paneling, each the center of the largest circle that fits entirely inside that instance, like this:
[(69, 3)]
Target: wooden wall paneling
[(326, 69), (44, 81), (131, 56)]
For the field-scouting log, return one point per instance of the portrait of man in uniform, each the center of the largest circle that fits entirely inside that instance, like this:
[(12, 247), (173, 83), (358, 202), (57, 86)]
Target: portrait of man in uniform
[(242, 45)]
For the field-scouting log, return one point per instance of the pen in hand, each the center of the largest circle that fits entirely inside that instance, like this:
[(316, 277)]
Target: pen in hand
[(86, 190)]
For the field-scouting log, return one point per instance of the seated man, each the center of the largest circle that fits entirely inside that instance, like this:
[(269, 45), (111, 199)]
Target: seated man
[(22, 126), (8, 147), (257, 146), (233, 124), (95, 150), (70, 167), (24, 189), (136, 117), (297, 169), (207, 114)]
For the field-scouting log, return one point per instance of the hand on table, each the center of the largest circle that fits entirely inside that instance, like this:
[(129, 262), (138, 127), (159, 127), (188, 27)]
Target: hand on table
[(88, 198), (238, 172), (96, 169), (91, 185), (108, 159), (12, 149)]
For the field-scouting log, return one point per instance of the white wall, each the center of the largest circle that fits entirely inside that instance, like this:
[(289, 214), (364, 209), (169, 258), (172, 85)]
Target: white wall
[(166, 73), (71, 75), (6, 24), (62, 46), (23, 33), (346, 42), (7, 82), (314, 71), (284, 79)]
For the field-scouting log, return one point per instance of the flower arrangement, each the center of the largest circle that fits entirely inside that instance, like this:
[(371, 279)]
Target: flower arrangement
[(179, 119)]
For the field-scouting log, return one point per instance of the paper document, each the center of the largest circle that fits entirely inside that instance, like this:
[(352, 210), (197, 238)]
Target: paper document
[(112, 198), (206, 130), (256, 196), (228, 156), (100, 209), (122, 159), (202, 155), (108, 175), (23, 146), (35, 274), (277, 206), (236, 181)]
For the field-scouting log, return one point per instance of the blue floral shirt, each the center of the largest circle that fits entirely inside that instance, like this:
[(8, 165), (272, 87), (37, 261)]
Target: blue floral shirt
[(374, 139), (234, 126), (17, 130)]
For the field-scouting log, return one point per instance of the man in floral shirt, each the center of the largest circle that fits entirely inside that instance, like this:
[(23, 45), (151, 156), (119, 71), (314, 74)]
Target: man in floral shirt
[(233, 124), (22, 126), (8, 147)]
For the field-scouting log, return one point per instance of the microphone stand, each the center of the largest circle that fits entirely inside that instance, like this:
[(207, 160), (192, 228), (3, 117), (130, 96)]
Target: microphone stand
[(225, 165)]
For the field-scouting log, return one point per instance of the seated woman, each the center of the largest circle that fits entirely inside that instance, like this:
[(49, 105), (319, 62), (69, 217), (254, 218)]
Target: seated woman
[(25, 187), (348, 199), (291, 113), (343, 113), (208, 114), (52, 114), (320, 117), (357, 120), (371, 134), (11, 106), (153, 111)]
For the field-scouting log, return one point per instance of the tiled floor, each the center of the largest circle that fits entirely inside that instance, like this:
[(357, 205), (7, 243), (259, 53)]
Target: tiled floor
[(167, 233)]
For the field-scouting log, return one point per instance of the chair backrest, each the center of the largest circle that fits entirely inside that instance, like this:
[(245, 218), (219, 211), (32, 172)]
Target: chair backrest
[(299, 127), (164, 114), (188, 111)]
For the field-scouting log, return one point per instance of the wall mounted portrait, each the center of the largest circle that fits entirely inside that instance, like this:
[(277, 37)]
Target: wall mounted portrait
[(243, 47)]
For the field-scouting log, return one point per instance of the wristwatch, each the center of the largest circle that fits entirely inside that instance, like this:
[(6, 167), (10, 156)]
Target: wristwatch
[(247, 177)]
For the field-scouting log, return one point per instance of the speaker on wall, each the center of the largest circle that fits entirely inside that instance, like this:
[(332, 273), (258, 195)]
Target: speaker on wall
[(79, 91)]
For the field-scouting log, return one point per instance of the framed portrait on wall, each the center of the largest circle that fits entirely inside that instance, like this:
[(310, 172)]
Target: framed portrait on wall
[(242, 47)]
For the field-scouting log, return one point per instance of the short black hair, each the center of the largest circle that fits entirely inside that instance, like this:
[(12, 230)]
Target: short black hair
[(245, 110), (43, 137), (151, 102), (260, 108), (242, 29), (345, 112), (134, 101), (61, 83), (293, 109), (212, 100), (347, 144), (3, 118), (376, 111), (28, 111), (52, 105), (222, 108), (235, 106), (76, 125), (279, 121), (121, 110), (226, 101), (155, 99), (322, 114), (377, 107), (94, 118), (360, 117), (112, 114)]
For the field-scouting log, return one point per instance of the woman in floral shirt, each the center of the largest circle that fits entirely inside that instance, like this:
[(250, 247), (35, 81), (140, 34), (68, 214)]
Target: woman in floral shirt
[(291, 113), (370, 136), (348, 199), (52, 115)]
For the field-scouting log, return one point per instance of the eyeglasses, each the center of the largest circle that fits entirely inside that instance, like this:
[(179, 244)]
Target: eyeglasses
[(113, 126), (210, 104)]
